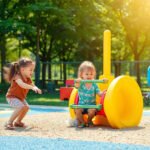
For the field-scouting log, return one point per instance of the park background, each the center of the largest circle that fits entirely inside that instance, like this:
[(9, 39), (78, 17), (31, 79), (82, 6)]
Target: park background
[(60, 34)]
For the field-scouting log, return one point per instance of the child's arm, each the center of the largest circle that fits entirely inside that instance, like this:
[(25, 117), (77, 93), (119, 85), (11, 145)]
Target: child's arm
[(105, 80), (37, 89), (100, 93), (27, 86)]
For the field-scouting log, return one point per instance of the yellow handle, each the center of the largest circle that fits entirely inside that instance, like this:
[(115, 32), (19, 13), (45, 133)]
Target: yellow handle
[(107, 53)]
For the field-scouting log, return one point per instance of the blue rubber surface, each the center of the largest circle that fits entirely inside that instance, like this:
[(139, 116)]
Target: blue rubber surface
[(146, 113), (34, 111), (31, 143), (40, 110)]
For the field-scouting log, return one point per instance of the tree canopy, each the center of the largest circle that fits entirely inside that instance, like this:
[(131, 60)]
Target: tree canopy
[(65, 30)]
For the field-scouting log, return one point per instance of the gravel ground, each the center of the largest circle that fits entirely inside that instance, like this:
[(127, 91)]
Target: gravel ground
[(53, 125)]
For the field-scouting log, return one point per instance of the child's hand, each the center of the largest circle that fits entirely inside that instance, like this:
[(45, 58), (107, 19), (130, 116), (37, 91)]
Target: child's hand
[(105, 80), (36, 90), (77, 82), (39, 91)]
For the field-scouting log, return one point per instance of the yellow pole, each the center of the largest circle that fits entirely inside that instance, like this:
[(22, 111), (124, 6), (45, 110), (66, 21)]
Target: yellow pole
[(106, 60), (107, 53)]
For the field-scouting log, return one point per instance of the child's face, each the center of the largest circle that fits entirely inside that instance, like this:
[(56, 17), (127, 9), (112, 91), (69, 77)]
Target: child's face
[(88, 74), (28, 71)]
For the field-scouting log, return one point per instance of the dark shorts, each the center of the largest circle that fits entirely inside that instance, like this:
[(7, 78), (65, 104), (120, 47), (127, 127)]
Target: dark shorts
[(85, 111)]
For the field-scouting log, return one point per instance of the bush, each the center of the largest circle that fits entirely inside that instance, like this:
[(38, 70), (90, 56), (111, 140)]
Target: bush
[(4, 87), (147, 100)]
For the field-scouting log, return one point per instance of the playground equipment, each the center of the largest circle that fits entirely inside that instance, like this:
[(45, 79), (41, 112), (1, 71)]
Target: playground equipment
[(98, 107), (65, 92), (122, 105), (91, 81)]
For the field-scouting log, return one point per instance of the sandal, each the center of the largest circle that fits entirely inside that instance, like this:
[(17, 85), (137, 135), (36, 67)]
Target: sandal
[(19, 124), (90, 124), (9, 126), (82, 125)]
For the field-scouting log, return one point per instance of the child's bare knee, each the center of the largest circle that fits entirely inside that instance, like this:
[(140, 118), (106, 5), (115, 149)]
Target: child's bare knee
[(91, 111), (78, 111), (26, 107)]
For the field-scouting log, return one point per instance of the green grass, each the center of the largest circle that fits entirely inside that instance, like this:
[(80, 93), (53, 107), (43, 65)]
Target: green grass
[(46, 99), (147, 108)]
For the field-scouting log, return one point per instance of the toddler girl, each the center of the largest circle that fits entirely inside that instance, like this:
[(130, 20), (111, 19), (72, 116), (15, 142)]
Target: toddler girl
[(19, 75)]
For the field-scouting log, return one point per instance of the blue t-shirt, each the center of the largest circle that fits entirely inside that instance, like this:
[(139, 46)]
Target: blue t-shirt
[(88, 96)]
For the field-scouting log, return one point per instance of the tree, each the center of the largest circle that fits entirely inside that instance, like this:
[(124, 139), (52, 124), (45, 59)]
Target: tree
[(10, 25), (52, 25), (134, 16)]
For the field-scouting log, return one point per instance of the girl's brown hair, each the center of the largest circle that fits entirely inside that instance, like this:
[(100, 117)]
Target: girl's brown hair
[(14, 68), (6, 72), (86, 65)]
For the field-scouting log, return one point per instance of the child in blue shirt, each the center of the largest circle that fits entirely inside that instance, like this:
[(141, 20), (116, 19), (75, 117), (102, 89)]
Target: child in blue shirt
[(87, 92)]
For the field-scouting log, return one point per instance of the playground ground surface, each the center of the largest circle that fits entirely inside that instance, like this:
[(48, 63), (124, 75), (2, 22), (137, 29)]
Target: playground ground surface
[(47, 129)]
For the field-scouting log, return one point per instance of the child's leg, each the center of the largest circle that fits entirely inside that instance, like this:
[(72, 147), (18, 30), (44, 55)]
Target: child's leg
[(18, 105), (91, 114), (23, 113), (9, 125), (79, 115), (15, 114)]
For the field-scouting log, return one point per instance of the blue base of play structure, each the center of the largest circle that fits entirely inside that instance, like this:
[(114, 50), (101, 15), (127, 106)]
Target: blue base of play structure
[(31, 143)]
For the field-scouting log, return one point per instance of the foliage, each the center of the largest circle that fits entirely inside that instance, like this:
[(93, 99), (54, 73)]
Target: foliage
[(65, 30)]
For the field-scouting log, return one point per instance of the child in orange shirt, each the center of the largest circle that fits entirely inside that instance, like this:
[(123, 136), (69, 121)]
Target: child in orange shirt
[(19, 75)]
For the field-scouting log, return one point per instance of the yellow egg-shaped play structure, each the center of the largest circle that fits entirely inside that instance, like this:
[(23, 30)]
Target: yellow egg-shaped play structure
[(123, 103)]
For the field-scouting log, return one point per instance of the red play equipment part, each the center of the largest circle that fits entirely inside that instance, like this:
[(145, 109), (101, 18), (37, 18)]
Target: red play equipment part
[(65, 92), (102, 112), (69, 83)]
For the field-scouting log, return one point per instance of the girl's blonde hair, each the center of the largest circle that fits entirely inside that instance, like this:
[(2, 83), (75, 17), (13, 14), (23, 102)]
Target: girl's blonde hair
[(86, 65), (14, 68)]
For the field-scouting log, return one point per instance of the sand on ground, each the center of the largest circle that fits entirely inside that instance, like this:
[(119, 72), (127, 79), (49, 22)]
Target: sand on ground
[(53, 125)]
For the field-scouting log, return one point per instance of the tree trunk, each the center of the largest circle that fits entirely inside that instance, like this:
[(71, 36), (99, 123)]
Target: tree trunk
[(61, 68), (137, 69), (64, 71), (43, 75), (61, 71), (20, 49), (37, 69), (49, 70), (3, 56), (117, 68), (49, 58), (44, 60)]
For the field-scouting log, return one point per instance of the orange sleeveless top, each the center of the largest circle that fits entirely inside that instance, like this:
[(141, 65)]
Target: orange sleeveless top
[(15, 91)]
